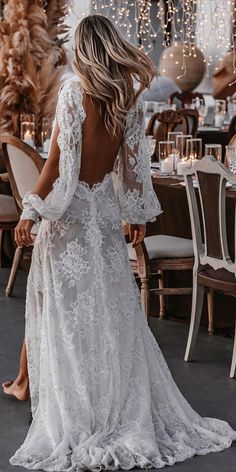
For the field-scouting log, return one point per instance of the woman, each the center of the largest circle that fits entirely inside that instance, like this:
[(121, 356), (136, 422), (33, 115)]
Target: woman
[(102, 395)]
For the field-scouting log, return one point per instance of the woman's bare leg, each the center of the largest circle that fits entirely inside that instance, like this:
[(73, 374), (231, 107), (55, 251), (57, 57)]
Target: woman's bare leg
[(20, 387)]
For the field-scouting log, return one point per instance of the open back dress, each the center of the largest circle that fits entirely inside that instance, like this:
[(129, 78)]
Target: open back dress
[(102, 395)]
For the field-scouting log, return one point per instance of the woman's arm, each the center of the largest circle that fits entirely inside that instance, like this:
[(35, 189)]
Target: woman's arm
[(42, 188), (50, 171)]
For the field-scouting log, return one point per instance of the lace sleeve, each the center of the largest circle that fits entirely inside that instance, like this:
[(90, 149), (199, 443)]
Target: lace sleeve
[(137, 199), (69, 116)]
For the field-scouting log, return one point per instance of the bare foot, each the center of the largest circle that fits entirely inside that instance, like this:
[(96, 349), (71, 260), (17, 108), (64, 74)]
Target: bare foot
[(19, 390)]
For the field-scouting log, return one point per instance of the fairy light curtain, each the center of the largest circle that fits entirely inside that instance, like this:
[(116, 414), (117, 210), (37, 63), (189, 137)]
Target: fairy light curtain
[(206, 24)]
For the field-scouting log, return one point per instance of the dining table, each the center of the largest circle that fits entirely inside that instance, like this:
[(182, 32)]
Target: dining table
[(175, 221)]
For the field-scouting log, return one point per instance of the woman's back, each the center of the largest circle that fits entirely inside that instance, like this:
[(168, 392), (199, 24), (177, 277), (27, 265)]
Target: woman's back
[(99, 148)]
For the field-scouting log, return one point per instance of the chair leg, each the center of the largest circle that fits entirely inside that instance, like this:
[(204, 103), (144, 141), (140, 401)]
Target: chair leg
[(14, 268), (161, 297), (196, 312), (233, 362), (210, 305), (145, 294)]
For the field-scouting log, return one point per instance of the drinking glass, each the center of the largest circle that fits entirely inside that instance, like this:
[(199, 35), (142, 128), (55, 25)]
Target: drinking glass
[(231, 108), (231, 157), (199, 105), (220, 111), (214, 150)]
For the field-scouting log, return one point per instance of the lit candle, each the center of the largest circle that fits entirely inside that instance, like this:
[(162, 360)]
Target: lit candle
[(167, 166), (175, 159), (193, 159), (28, 138), (182, 165)]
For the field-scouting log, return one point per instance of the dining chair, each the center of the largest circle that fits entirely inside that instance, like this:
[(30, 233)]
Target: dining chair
[(9, 218), (214, 269), (161, 124), (152, 258), (192, 118), (24, 166), (185, 98), (167, 120)]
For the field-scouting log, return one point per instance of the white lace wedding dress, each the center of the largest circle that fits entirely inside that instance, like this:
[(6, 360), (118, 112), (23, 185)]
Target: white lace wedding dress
[(102, 394)]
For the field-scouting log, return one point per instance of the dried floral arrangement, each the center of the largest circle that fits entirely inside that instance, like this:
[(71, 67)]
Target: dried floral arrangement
[(32, 59)]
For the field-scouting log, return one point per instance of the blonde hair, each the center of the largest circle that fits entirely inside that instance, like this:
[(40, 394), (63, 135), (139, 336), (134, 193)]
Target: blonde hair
[(107, 65)]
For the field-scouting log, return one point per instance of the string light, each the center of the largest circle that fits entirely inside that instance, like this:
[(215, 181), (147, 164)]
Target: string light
[(197, 24)]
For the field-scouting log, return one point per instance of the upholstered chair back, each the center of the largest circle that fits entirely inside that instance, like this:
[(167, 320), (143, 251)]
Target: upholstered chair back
[(23, 164)]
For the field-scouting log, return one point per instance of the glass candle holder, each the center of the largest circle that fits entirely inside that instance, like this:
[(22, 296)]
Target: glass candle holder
[(172, 136), (181, 144), (214, 150), (231, 157), (27, 128), (46, 135), (27, 117), (27, 131), (194, 149), (183, 164), (166, 157)]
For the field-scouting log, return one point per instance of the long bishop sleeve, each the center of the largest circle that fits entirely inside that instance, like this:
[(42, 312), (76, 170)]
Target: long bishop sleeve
[(137, 199), (69, 117)]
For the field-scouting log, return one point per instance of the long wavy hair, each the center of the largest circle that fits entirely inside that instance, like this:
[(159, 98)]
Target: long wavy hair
[(107, 66)]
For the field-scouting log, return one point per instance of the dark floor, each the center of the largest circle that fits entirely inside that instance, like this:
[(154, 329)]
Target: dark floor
[(204, 383)]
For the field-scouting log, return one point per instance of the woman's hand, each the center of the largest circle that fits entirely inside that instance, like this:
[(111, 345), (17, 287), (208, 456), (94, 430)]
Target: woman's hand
[(137, 234), (23, 235)]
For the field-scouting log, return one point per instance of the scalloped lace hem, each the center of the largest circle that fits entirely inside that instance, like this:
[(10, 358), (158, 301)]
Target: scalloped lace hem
[(132, 452)]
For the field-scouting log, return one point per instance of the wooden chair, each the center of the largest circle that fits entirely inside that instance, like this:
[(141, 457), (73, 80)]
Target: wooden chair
[(153, 257), (213, 267), (192, 117), (185, 98), (24, 166), (168, 120), (9, 218), (161, 124)]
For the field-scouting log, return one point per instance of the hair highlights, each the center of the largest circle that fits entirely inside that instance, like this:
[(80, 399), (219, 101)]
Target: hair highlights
[(107, 65)]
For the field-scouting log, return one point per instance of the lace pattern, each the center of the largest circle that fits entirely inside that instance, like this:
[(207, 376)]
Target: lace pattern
[(137, 199), (102, 395), (69, 116)]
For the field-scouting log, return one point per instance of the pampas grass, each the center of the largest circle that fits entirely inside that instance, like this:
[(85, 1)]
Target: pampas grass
[(31, 60)]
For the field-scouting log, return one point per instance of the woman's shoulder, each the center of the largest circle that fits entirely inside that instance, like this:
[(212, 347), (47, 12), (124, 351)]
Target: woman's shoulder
[(71, 86)]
